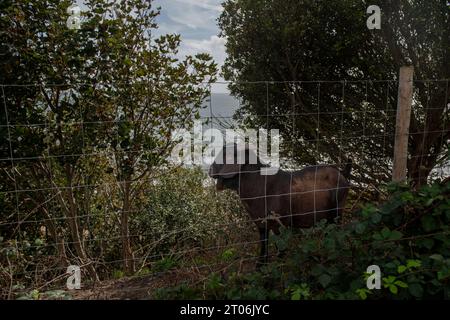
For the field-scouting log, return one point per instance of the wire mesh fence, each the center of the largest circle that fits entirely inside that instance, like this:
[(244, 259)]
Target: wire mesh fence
[(86, 176)]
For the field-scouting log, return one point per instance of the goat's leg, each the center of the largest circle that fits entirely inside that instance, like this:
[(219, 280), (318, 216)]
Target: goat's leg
[(264, 253), (281, 253)]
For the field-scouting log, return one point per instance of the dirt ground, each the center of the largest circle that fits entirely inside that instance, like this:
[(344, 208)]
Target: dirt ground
[(144, 287), (133, 288)]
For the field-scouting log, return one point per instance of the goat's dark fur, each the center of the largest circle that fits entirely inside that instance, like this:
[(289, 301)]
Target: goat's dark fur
[(294, 199)]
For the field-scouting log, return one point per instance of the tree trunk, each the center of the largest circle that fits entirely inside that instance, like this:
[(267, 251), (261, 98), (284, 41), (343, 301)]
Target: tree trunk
[(75, 231), (127, 253), (428, 140), (53, 232), (421, 163)]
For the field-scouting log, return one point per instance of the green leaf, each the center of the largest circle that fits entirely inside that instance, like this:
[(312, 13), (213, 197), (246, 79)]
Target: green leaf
[(443, 274), (393, 289), (360, 228), (390, 279), (401, 284), (395, 235), (35, 294), (318, 270), (413, 263), (127, 61), (426, 243), (214, 281), (377, 237), (228, 254), (329, 244), (391, 206), (437, 257), (407, 196), (416, 290), (368, 210), (324, 280), (376, 217), (362, 293), (401, 269), (428, 223), (385, 233), (296, 295)]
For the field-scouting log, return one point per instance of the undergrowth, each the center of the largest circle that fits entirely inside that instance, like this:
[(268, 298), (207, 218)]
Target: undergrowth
[(407, 237)]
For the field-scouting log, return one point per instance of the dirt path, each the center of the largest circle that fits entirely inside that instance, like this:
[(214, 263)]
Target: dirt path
[(133, 288)]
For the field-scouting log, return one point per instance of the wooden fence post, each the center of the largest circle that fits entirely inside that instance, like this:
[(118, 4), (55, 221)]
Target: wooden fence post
[(405, 95)]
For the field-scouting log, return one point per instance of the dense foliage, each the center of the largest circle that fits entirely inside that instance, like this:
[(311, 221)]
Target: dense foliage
[(87, 119), (290, 41), (181, 212), (408, 237)]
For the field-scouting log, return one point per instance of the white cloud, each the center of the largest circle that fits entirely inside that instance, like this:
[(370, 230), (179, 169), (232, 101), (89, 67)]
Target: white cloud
[(215, 46), (193, 14), (205, 4), (196, 22)]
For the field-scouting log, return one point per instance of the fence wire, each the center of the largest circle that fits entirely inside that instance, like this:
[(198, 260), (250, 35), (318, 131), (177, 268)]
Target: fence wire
[(65, 184)]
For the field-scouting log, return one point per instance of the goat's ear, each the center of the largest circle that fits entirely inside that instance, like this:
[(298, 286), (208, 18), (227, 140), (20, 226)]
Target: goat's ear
[(225, 171)]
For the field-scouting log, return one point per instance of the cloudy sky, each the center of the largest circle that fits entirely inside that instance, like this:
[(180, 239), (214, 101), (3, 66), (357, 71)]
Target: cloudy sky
[(195, 21)]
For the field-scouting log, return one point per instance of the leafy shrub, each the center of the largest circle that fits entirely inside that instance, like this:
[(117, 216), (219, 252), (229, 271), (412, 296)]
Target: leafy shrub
[(183, 211), (407, 236)]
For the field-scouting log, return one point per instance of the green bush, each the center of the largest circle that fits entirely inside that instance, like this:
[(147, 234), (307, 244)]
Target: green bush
[(177, 213), (183, 211), (407, 236)]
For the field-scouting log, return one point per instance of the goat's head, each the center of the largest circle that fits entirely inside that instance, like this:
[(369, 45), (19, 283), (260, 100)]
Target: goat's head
[(231, 163)]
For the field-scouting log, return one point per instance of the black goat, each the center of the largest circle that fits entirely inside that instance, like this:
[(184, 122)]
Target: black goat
[(294, 199)]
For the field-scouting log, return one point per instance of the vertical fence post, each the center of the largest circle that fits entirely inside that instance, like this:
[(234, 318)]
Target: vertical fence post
[(405, 95)]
